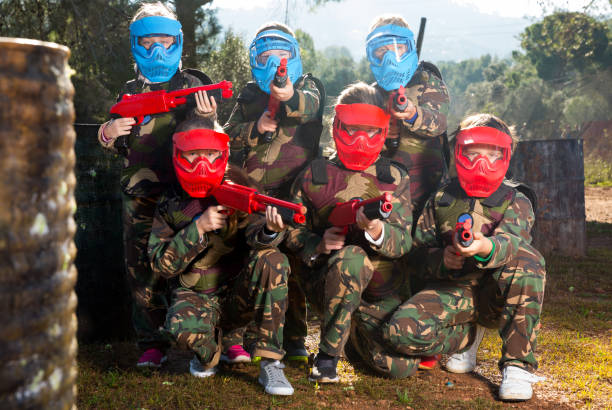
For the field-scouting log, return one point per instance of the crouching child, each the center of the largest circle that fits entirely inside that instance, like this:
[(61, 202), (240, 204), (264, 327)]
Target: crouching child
[(201, 246), (487, 268)]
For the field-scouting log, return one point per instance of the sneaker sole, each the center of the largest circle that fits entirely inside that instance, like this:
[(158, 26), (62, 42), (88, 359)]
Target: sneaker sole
[(280, 392), (324, 379), (297, 358), (152, 364), (459, 370), (238, 359)]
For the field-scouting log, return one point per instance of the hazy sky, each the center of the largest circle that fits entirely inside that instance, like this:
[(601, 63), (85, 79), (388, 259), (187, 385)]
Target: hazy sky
[(455, 30)]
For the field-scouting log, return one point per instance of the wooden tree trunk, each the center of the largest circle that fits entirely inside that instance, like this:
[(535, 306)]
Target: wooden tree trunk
[(37, 275)]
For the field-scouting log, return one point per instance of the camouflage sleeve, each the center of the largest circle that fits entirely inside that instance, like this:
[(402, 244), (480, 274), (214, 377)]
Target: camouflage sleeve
[(513, 231), (425, 234), (300, 239), (432, 108), (308, 100), (397, 239), (239, 130), (253, 233), (172, 252)]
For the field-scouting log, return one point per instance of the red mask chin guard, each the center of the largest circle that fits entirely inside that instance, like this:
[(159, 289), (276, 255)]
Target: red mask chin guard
[(480, 177), (199, 177), (358, 151)]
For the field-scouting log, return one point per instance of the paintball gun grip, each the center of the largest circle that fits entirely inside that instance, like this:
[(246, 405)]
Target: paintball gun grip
[(465, 237)]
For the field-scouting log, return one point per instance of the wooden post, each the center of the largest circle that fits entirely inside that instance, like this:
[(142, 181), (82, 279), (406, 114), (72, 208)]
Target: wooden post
[(555, 170), (37, 274)]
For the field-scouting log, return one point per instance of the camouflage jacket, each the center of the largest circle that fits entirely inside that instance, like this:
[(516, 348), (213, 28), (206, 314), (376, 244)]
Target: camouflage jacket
[(205, 263), (274, 164), (420, 146), (506, 218), (148, 153), (320, 197)]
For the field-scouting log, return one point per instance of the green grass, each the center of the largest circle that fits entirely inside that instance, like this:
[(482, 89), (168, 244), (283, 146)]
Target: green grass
[(574, 352), (597, 172)]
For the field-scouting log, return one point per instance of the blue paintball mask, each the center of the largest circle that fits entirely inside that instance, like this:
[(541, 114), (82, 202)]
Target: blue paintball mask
[(263, 67), (158, 63), (392, 55)]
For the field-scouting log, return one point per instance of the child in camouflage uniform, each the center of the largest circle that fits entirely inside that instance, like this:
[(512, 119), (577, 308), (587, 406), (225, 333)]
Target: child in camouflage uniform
[(157, 40), (218, 283), (417, 135), (498, 279), (274, 150), (345, 267)]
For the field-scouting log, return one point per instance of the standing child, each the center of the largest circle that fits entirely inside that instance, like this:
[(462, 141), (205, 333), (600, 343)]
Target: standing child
[(218, 284), (273, 150), (417, 132), (495, 276), (157, 42), (346, 266)]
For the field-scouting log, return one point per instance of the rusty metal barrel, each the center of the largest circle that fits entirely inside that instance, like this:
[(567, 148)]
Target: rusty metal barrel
[(37, 274), (554, 168)]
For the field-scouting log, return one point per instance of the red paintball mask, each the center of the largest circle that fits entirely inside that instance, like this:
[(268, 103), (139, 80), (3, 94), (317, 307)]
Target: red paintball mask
[(480, 174), (359, 149), (199, 176)]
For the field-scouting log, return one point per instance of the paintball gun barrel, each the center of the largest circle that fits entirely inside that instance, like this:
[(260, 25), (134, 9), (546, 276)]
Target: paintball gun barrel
[(155, 102), (248, 200), (345, 213), (280, 80), (463, 229), (400, 101)]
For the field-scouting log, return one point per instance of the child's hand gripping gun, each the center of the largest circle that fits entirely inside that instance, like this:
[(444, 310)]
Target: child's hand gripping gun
[(463, 230), (345, 213), (280, 80), (248, 200), (398, 101), (155, 102)]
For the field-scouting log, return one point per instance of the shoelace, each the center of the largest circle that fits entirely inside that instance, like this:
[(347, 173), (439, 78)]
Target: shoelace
[(274, 373), (523, 375)]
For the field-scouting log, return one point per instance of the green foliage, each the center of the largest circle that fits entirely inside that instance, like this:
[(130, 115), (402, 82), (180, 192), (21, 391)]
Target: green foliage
[(522, 94), (230, 61), (565, 42), (97, 33), (597, 172)]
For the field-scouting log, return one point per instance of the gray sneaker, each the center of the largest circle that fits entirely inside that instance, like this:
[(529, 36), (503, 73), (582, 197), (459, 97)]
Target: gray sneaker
[(197, 370), (272, 378)]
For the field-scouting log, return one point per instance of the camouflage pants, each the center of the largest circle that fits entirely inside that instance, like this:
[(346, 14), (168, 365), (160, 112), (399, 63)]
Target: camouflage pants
[(510, 300), (335, 291), (389, 336), (295, 329), (149, 291), (259, 293)]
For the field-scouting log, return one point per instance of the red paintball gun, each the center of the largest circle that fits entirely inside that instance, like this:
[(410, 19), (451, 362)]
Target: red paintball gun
[(399, 99), (463, 229), (248, 200), (280, 80), (345, 213), (155, 102)]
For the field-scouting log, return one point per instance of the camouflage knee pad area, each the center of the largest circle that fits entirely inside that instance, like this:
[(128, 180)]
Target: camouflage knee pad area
[(510, 299), (149, 292)]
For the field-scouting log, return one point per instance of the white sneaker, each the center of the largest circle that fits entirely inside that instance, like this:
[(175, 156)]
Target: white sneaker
[(516, 384), (272, 378), (197, 370), (466, 362)]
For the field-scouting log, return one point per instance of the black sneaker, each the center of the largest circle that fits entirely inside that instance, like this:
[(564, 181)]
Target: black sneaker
[(324, 369), (296, 351)]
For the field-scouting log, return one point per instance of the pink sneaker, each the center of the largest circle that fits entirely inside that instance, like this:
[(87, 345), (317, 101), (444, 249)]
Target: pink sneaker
[(151, 358), (235, 354)]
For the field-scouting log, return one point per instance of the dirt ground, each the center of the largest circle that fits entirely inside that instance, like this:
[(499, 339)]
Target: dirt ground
[(598, 204)]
